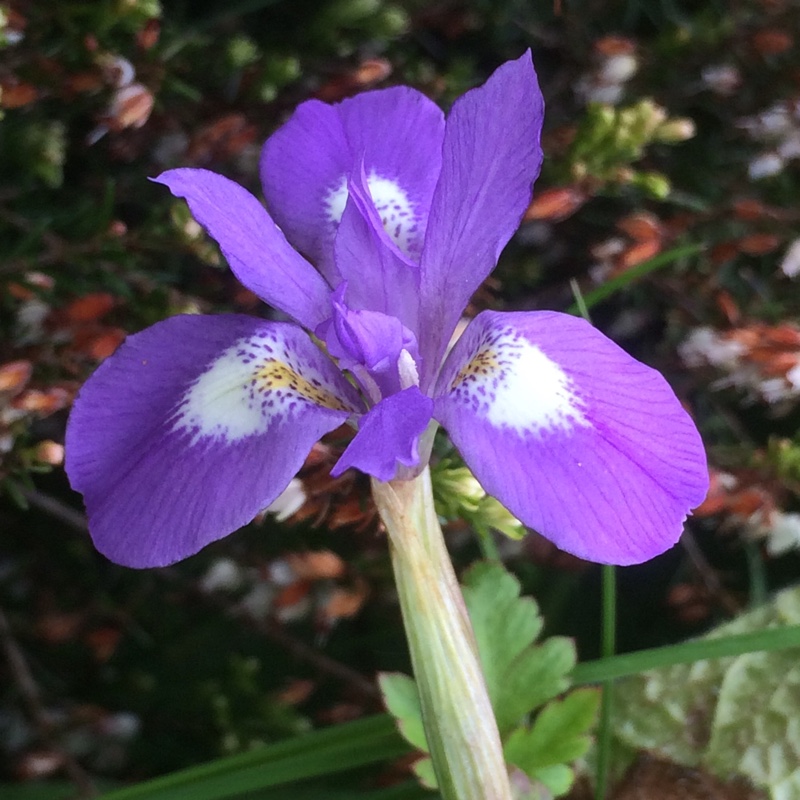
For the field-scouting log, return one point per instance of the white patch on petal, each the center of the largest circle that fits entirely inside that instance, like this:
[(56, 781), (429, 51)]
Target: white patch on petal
[(513, 384), (396, 212), (335, 201), (251, 385), (393, 205)]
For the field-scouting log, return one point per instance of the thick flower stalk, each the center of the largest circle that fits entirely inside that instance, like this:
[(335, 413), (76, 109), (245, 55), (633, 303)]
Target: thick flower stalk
[(197, 423), (457, 714)]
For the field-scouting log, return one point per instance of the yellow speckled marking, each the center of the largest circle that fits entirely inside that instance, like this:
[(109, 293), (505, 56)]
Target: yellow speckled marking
[(483, 363), (278, 375)]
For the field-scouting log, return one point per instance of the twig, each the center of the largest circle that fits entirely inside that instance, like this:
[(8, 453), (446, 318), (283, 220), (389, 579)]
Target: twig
[(270, 628), (55, 508), (304, 652), (708, 574), (32, 698)]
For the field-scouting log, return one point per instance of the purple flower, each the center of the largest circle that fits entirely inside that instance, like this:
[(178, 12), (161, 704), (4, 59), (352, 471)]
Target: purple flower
[(199, 422)]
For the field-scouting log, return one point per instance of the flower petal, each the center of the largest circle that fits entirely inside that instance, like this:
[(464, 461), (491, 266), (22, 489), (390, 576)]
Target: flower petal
[(388, 436), (491, 158), (579, 440), (255, 248), (192, 427), (379, 276), (397, 135)]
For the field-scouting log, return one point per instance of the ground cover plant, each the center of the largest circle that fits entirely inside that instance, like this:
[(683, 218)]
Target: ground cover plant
[(664, 212)]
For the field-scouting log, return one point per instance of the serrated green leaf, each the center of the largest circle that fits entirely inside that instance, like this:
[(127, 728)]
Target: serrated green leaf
[(558, 735), (557, 778), (539, 674), (402, 701), (505, 627), (425, 773)]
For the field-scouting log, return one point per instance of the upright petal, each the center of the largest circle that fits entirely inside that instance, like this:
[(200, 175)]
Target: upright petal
[(257, 251), (379, 275), (579, 440), (397, 135), (491, 158), (388, 436), (192, 427)]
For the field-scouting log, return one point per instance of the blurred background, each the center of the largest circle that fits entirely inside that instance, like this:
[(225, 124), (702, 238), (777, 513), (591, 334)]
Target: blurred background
[(668, 200)]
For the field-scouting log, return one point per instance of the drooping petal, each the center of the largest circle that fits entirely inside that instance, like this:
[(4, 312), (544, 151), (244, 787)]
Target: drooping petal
[(397, 135), (579, 440), (491, 158), (379, 276), (192, 427), (256, 250), (388, 436)]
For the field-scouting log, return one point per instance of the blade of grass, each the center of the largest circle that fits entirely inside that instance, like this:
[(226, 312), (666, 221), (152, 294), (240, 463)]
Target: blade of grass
[(629, 276), (627, 664), (324, 752)]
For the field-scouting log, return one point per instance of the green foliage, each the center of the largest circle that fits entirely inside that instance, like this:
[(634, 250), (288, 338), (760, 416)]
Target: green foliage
[(402, 700), (609, 141), (557, 737), (319, 753), (783, 455), (732, 715), (459, 496), (541, 736)]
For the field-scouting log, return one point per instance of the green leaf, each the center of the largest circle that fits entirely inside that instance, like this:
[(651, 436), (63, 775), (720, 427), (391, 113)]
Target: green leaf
[(539, 674), (736, 714), (755, 725), (557, 778), (310, 755), (402, 701), (627, 665), (519, 675), (558, 735), (423, 769), (44, 790)]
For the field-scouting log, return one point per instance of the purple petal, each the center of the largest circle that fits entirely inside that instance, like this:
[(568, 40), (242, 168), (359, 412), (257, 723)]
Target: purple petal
[(390, 283), (388, 436), (377, 348), (579, 440), (397, 135), (256, 250), (192, 427), (491, 158)]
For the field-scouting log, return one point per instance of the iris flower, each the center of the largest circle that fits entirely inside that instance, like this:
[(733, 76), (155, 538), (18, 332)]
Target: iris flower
[(196, 424)]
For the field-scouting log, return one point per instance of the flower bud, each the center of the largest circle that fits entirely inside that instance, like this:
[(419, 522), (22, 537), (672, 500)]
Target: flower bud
[(676, 130)]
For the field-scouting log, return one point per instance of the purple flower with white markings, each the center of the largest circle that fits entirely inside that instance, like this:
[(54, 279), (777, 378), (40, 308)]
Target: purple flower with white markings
[(199, 422)]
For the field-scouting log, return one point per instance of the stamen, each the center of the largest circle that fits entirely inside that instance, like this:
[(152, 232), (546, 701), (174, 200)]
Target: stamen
[(407, 370)]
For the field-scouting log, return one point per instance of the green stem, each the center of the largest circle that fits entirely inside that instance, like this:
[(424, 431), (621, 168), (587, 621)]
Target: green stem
[(608, 647), (459, 722)]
